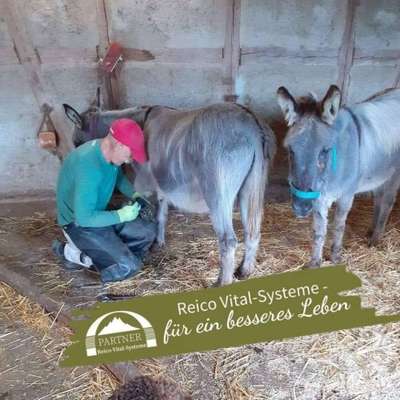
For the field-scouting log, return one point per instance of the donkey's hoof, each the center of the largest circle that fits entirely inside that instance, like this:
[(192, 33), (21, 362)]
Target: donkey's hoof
[(313, 264), (241, 274), (336, 258), (375, 237), (160, 243), (374, 240), (221, 282)]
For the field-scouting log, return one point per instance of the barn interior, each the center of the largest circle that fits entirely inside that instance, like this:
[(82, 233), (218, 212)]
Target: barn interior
[(185, 54)]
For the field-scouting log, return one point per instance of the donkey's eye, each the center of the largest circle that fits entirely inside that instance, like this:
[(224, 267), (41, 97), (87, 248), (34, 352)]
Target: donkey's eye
[(324, 153), (322, 158)]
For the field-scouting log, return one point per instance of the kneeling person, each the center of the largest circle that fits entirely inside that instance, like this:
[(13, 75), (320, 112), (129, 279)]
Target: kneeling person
[(114, 241)]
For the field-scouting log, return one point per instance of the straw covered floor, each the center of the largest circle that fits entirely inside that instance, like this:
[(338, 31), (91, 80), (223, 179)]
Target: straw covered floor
[(352, 364)]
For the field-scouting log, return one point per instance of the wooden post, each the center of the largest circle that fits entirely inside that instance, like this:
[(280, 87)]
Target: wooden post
[(397, 80), (346, 51), (110, 82), (28, 57), (232, 48)]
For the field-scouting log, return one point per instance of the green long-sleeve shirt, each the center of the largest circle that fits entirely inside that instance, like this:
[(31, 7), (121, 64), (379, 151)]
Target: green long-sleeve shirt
[(85, 185)]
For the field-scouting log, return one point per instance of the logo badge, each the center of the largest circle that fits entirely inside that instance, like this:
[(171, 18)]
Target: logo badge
[(119, 331)]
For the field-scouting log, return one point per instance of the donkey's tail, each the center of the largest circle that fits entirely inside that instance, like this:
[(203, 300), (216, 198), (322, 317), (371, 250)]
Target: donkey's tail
[(251, 194), (253, 188), (256, 180)]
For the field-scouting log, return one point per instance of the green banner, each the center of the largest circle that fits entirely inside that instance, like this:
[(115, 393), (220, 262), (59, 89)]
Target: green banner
[(256, 310)]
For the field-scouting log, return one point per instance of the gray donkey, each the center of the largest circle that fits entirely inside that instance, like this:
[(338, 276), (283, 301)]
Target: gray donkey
[(200, 161), (336, 153)]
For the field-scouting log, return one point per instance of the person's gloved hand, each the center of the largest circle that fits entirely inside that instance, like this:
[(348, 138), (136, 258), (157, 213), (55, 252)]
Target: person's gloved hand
[(129, 213)]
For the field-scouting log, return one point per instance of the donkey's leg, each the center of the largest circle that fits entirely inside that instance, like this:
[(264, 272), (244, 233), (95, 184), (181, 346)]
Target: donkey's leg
[(162, 215), (251, 211), (220, 181), (221, 217), (384, 204), (220, 198), (378, 196), (343, 206), (320, 223)]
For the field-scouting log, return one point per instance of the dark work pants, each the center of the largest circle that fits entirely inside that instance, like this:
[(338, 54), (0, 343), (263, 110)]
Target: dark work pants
[(123, 244)]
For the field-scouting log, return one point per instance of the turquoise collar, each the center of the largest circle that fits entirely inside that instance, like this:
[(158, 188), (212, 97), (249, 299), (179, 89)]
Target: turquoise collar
[(303, 195)]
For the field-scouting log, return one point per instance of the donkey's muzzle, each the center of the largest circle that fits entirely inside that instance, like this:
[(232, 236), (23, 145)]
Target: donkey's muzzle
[(302, 200), (301, 208)]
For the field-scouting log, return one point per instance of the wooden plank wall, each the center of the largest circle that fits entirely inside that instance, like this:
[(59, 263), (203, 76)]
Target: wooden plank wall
[(230, 58)]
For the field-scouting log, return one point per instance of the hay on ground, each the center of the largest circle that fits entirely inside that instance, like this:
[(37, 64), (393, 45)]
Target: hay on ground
[(352, 364)]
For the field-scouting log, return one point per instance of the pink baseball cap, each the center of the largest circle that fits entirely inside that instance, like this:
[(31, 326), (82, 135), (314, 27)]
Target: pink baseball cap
[(129, 133)]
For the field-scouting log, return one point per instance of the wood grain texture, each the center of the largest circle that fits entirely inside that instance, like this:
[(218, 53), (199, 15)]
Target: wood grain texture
[(231, 52), (346, 50), (109, 83), (29, 57)]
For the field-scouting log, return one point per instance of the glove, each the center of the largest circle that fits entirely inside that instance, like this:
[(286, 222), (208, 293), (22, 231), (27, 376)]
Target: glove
[(128, 213)]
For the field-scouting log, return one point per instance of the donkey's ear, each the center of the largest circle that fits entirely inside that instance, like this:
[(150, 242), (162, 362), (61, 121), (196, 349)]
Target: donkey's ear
[(73, 115), (288, 105), (331, 104)]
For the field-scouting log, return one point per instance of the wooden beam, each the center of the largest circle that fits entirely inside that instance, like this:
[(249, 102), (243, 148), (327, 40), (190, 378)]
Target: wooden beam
[(28, 57), (248, 55), (232, 48), (111, 84), (376, 55), (102, 24), (227, 53), (323, 56), (87, 56), (237, 4), (397, 80), (172, 55), (346, 51), (67, 56), (255, 55)]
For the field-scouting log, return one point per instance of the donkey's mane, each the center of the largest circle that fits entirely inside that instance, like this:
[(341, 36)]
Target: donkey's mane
[(381, 93), (307, 104), (381, 114)]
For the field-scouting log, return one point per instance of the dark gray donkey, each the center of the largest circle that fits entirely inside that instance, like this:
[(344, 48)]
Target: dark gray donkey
[(336, 153), (200, 161)]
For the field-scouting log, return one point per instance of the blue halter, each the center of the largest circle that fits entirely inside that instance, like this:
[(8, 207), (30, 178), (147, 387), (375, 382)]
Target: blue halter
[(314, 195)]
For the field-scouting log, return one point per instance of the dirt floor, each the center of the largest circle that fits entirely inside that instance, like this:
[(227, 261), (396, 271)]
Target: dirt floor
[(31, 345), (353, 364)]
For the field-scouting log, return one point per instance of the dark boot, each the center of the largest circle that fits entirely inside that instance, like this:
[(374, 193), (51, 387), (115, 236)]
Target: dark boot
[(58, 251), (120, 272)]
